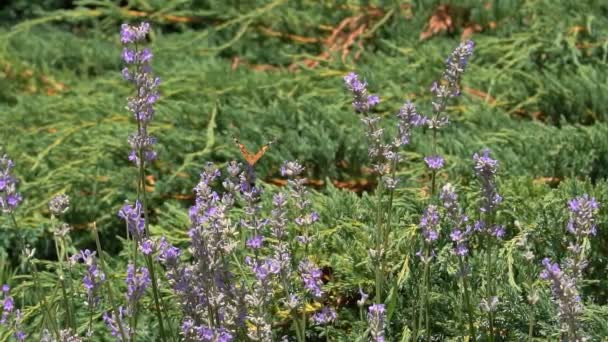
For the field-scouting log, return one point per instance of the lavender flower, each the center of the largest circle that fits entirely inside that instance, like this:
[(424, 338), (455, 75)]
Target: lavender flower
[(205, 286), (565, 294), (434, 162), (362, 102), (133, 216), (193, 332), (137, 283), (255, 242), (326, 315), (456, 64), (9, 197), (485, 169), (115, 323), (311, 277), (408, 118), (448, 86), (93, 278), (582, 215), (429, 224), (11, 317), (139, 72), (59, 205), (375, 318)]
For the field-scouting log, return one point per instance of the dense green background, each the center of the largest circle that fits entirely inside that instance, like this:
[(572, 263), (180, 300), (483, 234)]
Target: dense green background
[(536, 93)]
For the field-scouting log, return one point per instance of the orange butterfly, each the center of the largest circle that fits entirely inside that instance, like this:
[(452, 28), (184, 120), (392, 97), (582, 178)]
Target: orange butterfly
[(250, 158)]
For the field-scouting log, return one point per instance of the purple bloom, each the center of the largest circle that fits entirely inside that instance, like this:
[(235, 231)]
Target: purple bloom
[(434, 162), (362, 102), (582, 215), (137, 283), (456, 64), (11, 317), (429, 224), (133, 34), (93, 278), (408, 118), (565, 294), (486, 169), (376, 317), (116, 323), (147, 246), (9, 197), (311, 277), (325, 316), (133, 216), (255, 242), (139, 72)]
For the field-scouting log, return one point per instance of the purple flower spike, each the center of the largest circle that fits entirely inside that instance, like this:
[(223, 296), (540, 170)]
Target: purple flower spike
[(139, 72), (362, 102), (376, 317), (434, 162), (137, 283), (255, 242), (486, 168), (327, 315), (582, 216), (133, 216), (9, 197), (429, 224)]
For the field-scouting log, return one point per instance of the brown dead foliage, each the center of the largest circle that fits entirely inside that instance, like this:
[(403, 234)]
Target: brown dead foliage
[(448, 18)]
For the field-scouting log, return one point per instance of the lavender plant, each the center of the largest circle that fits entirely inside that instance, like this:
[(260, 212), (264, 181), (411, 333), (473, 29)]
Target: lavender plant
[(384, 157), (138, 72), (565, 281), (486, 168)]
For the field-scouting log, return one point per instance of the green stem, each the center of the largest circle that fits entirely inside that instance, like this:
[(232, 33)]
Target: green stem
[(489, 291), (531, 326), (42, 299), (379, 244), (467, 301), (61, 273), (107, 284), (155, 291), (427, 292)]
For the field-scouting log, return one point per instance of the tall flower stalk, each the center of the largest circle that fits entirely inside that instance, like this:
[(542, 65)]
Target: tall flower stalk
[(485, 169), (58, 206), (138, 72), (444, 89), (565, 281), (460, 233), (384, 157)]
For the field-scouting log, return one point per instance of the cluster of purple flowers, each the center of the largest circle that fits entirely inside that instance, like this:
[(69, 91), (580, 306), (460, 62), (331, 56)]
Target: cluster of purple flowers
[(11, 316), (375, 319), (448, 87), (460, 229), (362, 101), (485, 169), (565, 293), (117, 324), (565, 281), (138, 280), (139, 72), (384, 155), (93, 278), (9, 197), (133, 216)]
